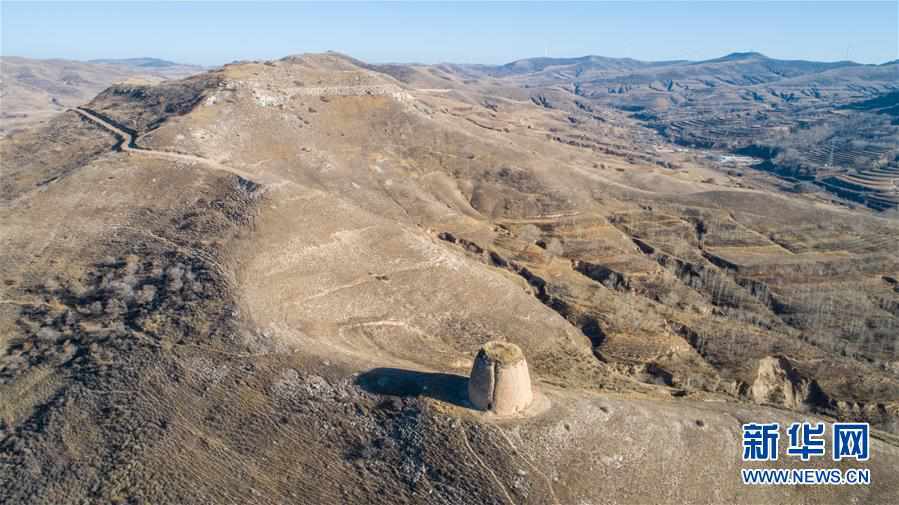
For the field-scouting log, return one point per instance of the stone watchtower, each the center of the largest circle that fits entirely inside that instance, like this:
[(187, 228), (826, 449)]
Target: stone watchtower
[(500, 381)]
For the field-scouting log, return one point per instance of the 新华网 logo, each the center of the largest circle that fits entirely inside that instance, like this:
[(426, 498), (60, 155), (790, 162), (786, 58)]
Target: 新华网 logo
[(806, 441)]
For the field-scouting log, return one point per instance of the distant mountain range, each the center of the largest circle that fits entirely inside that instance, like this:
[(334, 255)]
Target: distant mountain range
[(540, 63), (141, 62), (741, 68)]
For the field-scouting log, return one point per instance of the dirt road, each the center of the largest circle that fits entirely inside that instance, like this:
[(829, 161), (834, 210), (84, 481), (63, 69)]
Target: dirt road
[(128, 143)]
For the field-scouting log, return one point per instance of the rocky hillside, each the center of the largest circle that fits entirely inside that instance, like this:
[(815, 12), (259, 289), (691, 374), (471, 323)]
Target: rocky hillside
[(273, 290)]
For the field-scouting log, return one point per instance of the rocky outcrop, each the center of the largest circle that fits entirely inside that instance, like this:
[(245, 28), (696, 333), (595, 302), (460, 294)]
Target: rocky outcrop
[(603, 275), (142, 107), (777, 382)]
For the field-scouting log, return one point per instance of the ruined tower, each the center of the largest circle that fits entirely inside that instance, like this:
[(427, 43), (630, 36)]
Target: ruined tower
[(500, 381)]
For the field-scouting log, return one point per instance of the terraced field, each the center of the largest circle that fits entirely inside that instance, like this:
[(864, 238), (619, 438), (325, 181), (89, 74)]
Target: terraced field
[(876, 187)]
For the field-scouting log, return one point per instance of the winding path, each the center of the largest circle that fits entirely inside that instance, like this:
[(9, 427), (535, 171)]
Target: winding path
[(128, 144)]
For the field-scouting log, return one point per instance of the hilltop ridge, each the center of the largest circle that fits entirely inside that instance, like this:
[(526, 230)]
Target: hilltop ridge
[(33, 90)]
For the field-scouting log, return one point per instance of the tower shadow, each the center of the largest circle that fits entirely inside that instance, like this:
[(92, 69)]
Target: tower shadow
[(449, 388)]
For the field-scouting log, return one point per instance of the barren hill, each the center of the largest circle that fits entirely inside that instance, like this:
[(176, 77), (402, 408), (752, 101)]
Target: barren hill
[(267, 283), (31, 91)]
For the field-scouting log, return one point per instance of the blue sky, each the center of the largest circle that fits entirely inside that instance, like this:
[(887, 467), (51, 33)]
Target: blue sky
[(212, 33)]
